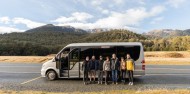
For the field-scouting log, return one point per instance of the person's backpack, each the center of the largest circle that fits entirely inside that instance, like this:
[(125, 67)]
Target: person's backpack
[(130, 65)]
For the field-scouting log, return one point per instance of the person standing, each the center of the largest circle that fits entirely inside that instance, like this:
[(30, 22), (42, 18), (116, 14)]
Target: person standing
[(100, 70), (123, 69), (93, 68), (85, 68), (106, 69), (115, 66), (130, 68)]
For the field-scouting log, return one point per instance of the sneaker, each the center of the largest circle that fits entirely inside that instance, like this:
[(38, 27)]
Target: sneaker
[(116, 83), (131, 83), (85, 83), (101, 82), (106, 83), (98, 82)]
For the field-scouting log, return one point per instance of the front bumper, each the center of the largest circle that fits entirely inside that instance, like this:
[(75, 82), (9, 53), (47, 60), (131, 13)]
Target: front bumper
[(43, 73)]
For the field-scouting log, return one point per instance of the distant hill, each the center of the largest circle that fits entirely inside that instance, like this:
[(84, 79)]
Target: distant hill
[(50, 39), (163, 33), (114, 36), (53, 28)]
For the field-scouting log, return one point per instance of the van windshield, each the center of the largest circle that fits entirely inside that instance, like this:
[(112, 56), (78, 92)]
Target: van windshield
[(120, 51)]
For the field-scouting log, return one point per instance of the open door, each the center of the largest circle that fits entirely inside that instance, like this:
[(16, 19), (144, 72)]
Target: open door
[(74, 63), (62, 62)]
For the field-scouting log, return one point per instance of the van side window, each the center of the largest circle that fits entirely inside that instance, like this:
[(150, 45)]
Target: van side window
[(75, 55), (65, 53)]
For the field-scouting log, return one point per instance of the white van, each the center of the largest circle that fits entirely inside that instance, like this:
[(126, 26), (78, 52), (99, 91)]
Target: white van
[(68, 62)]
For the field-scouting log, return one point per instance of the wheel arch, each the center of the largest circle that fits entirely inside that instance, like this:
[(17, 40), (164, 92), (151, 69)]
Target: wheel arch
[(51, 70)]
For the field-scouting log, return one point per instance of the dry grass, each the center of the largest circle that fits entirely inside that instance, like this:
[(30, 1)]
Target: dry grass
[(168, 54), (168, 61), (162, 57), (25, 59), (169, 58), (161, 91)]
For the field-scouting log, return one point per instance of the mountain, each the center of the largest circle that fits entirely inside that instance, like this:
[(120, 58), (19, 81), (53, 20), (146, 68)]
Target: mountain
[(51, 39), (97, 30), (163, 33), (53, 28)]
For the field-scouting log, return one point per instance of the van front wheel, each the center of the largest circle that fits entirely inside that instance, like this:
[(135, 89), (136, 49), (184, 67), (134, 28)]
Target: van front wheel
[(51, 75)]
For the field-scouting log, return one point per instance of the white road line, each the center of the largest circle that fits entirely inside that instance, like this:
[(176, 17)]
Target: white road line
[(166, 69), (168, 74), (17, 72), (19, 66), (30, 80)]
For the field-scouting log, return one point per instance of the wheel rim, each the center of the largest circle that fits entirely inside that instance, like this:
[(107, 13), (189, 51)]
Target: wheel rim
[(51, 75)]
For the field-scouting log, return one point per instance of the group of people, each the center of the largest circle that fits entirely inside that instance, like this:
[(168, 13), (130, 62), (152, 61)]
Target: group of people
[(110, 69)]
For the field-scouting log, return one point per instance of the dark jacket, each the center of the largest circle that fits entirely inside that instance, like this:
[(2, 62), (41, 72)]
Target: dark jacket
[(85, 66), (100, 65), (115, 64), (93, 64)]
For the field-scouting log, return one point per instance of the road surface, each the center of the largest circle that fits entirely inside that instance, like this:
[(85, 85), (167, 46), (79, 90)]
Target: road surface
[(21, 76)]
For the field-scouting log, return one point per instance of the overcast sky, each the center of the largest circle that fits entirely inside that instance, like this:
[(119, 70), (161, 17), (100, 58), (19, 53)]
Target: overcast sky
[(137, 15)]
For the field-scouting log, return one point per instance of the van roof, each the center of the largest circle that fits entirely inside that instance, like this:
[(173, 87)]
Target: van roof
[(105, 44)]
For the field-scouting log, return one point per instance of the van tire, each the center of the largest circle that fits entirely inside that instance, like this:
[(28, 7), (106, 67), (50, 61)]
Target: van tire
[(51, 75)]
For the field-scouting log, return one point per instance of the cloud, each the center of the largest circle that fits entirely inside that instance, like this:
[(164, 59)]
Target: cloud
[(103, 11), (97, 2), (9, 30), (4, 20), (131, 17), (11, 24), (126, 19), (142, 2), (75, 17), (119, 1), (156, 20), (175, 3), (157, 10), (27, 22)]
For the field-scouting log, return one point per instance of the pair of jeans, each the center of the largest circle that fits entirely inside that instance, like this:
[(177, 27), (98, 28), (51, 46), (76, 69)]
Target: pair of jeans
[(114, 75), (123, 74), (85, 78), (100, 75), (130, 75)]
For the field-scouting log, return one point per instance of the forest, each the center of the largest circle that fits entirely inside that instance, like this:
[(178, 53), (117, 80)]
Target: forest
[(47, 42)]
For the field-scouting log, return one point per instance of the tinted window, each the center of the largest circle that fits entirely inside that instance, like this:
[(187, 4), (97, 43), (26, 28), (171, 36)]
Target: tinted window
[(120, 51)]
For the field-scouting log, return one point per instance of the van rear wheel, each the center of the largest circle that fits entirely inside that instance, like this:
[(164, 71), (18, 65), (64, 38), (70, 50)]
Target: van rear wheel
[(51, 75)]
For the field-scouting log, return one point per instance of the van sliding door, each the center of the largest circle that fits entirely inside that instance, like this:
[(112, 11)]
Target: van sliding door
[(74, 63)]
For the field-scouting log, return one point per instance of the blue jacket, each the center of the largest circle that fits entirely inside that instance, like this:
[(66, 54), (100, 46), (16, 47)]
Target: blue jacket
[(93, 64)]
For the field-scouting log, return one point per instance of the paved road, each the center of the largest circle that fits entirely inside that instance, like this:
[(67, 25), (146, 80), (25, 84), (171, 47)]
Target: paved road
[(27, 77)]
